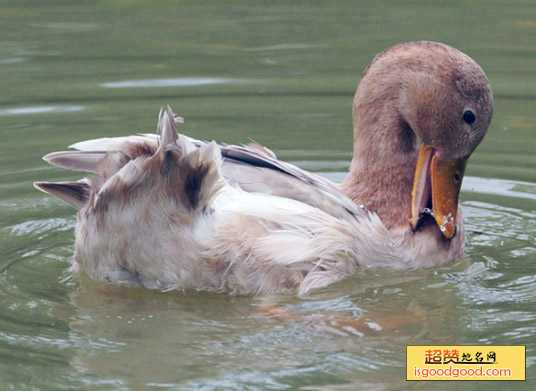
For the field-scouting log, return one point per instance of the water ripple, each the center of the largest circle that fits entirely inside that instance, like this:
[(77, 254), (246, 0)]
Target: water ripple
[(12, 60), (41, 110), (41, 226), (500, 187), (172, 82), (285, 46)]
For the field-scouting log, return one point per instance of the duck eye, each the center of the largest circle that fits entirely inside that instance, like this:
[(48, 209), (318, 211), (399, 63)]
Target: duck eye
[(469, 117)]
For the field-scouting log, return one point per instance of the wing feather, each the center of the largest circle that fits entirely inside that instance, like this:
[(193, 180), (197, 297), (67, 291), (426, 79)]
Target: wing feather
[(253, 167)]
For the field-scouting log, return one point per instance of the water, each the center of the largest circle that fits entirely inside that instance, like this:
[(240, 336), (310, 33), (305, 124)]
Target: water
[(282, 75)]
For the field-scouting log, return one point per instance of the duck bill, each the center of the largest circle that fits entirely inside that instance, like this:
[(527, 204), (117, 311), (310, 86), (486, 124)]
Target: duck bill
[(437, 181)]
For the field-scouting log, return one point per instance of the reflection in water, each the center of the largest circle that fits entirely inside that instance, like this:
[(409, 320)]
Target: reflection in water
[(285, 46), (138, 338), (12, 60), (41, 110), (174, 82), (499, 187)]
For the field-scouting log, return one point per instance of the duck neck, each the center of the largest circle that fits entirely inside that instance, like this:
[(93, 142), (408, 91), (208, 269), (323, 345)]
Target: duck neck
[(383, 166)]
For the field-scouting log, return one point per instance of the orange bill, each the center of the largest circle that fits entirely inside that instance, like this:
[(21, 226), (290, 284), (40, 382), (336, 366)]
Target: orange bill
[(447, 178), (437, 182), (421, 195)]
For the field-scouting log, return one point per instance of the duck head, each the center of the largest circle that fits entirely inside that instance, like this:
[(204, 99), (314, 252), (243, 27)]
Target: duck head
[(419, 112)]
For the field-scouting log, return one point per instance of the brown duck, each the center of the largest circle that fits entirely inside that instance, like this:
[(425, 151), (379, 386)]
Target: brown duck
[(170, 212)]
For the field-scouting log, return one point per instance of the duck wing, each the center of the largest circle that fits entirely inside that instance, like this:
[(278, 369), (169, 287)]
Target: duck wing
[(257, 171), (252, 167)]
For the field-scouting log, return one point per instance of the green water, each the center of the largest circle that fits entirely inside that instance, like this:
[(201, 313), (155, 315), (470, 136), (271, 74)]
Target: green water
[(284, 75)]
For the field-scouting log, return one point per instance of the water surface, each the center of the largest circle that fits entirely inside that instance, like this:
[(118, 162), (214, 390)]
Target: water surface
[(284, 75)]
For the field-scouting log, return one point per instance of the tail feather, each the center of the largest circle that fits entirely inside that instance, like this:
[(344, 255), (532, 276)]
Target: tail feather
[(74, 193), (200, 171), (187, 170), (76, 160), (193, 174), (106, 144), (167, 130)]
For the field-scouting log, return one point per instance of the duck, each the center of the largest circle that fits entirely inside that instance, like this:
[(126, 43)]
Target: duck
[(167, 211)]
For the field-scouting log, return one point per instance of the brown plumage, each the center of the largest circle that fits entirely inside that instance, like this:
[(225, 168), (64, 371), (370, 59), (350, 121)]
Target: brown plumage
[(172, 212)]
